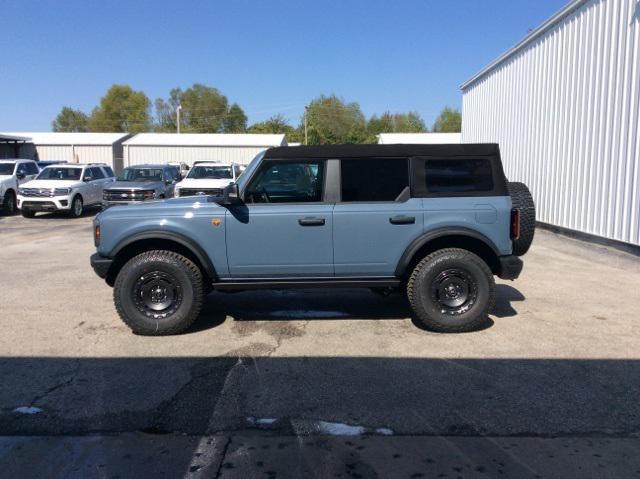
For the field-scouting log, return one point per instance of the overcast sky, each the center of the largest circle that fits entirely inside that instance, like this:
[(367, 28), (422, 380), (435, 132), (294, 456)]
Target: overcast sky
[(269, 56)]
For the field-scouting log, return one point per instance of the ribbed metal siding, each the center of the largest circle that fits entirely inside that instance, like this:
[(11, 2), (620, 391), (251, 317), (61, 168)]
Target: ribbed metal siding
[(77, 153), (565, 111), (136, 155)]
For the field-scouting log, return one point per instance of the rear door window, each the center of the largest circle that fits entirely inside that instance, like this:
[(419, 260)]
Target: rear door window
[(373, 179)]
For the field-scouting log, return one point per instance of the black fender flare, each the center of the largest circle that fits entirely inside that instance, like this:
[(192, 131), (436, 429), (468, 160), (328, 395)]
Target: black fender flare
[(420, 241), (182, 240)]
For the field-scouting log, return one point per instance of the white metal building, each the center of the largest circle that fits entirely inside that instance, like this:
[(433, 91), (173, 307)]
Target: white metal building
[(189, 147), (74, 147), (564, 106), (420, 138)]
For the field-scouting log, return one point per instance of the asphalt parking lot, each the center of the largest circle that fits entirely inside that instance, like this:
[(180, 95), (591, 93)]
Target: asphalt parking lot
[(556, 374)]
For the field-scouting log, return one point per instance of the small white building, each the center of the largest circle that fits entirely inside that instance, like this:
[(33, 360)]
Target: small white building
[(74, 147), (564, 105), (418, 138), (186, 148)]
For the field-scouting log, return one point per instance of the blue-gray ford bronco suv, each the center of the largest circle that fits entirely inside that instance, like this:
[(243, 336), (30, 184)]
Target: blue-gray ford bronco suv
[(438, 221)]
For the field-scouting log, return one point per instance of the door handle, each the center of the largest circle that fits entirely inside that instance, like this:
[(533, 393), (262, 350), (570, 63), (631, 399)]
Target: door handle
[(311, 221), (402, 220)]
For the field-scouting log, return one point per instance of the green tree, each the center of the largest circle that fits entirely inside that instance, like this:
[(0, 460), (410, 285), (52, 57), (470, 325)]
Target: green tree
[(449, 121), (330, 120), (235, 120), (204, 110), (70, 120), (388, 122), (122, 110), (277, 124)]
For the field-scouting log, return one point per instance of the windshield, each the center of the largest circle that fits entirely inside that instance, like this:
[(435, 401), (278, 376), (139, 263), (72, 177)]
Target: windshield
[(7, 168), (212, 172), (242, 179), (140, 174), (57, 173)]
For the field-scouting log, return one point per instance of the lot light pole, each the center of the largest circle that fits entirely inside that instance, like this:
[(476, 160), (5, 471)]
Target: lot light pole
[(178, 117), (306, 136)]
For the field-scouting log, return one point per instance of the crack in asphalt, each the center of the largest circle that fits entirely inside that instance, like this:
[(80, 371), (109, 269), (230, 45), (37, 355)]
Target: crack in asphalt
[(223, 455), (55, 387)]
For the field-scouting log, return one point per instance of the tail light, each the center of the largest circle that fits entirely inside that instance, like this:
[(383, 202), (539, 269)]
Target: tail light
[(515, 224), (96, 234)]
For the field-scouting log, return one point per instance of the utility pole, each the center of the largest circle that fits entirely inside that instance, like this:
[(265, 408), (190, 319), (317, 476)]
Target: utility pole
[(178, 117), (306, 136)]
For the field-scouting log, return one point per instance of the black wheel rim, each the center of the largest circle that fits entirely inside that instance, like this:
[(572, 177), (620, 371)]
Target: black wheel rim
[(454, 291), (157, 294)]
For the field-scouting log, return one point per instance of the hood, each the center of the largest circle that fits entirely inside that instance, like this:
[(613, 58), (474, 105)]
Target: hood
[(203, 183), (50, 184), (135, 185), (169, 207)]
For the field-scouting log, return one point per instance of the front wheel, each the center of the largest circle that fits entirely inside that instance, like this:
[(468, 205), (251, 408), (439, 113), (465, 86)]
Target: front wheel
[(77, 207), (451, 290), (159, 293), (9, 203)]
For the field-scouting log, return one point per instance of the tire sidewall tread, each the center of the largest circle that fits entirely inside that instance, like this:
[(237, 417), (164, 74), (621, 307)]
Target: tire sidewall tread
[(420, 281), (193, 293)]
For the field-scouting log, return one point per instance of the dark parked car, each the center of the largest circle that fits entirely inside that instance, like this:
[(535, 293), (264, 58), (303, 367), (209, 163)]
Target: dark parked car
[(141, 183)]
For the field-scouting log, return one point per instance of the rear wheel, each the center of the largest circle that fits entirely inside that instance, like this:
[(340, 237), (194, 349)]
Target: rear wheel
[(77, 207), (158, 293), (522, 200), (9, 202), (451, 290)]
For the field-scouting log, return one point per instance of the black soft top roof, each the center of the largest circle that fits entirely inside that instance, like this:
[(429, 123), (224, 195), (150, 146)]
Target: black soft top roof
[(367, 151)]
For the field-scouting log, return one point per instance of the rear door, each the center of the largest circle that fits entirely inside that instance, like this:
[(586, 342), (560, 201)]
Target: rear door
[(376, 218), (284, 227)]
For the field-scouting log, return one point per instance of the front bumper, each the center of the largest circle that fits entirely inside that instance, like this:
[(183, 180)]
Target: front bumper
[(108, 204), (53, 203), (100, 264), (510, 267)]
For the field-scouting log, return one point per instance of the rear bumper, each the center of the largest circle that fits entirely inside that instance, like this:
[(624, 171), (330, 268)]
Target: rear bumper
[(510, 267), (100, 264)]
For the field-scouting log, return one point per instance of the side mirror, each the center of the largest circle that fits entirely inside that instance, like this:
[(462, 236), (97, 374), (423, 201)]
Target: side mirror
[(20, 175), (231, 195), (87, 179)]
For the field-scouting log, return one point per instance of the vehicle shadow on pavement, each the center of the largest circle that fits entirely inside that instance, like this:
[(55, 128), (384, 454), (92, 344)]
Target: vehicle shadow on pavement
[(300, 401), (324, 305)]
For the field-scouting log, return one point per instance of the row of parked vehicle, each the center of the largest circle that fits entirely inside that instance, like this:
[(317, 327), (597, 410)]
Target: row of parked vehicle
[(32, 187)]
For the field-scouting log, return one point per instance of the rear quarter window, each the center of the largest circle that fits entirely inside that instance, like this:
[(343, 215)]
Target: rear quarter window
[(458, 175)]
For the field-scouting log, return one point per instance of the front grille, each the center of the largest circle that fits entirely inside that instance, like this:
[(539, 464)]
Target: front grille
[(123, 195), (200, 191), (38, 205), (37, 192)]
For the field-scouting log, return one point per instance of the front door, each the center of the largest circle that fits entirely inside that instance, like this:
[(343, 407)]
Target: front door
[(284, 228)]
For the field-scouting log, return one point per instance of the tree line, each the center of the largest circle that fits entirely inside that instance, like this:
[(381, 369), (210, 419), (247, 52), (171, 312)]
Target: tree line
[(329, 119)]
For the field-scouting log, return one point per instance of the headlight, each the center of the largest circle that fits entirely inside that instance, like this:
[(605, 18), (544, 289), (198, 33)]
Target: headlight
[(20, 190), (61, 191)]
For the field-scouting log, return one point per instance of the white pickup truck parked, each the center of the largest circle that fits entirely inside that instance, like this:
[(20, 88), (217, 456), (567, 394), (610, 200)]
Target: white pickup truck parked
[(13, 173)]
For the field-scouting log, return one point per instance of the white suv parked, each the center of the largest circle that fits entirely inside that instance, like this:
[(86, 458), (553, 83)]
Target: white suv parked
[(67, 187), (207, 178), (13, 173)]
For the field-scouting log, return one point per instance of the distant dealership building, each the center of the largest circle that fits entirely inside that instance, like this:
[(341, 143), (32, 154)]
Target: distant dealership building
[(420, 138), (72, 147), (564, 105), (189, 147)]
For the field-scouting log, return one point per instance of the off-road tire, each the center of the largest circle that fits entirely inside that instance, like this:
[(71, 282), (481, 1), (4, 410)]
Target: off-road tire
[(522, 200), (9, 203), (423, 296), (28, 213), (72, 211), (188, 281)]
